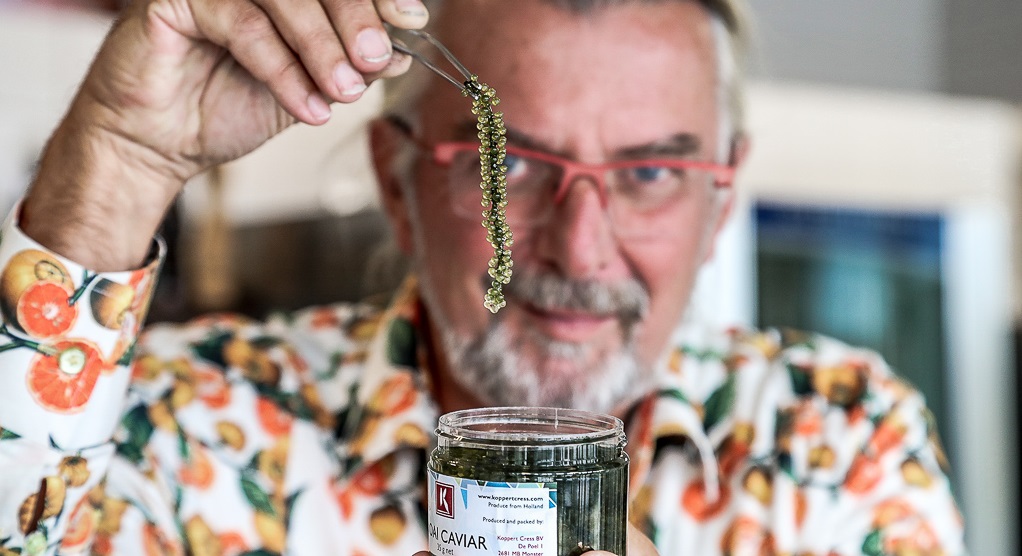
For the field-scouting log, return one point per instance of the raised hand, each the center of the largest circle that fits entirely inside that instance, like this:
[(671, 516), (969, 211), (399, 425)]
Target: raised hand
[(181, 85)]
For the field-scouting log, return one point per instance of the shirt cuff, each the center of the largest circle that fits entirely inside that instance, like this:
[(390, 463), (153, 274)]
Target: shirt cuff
[(66, 338)]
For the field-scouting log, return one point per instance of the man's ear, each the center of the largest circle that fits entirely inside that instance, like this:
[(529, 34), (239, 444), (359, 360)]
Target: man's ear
[(385, 144), (739, 150)]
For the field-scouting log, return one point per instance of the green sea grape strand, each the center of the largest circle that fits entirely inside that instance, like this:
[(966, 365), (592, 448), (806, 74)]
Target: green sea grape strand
[(493, 173)]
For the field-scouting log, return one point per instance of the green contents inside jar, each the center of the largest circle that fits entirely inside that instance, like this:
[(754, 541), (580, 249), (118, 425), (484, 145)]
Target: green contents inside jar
[(526, 481)]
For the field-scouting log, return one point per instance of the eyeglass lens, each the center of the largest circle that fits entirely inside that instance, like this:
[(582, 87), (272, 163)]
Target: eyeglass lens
[(638, 196)]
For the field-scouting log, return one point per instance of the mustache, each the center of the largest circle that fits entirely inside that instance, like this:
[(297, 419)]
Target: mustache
[(627, 300)]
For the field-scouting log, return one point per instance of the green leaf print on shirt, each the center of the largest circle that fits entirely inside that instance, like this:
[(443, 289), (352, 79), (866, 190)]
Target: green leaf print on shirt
[(720, 402), (8, 435), (257, 497), (873, 545), (401, 343), (140, 429)]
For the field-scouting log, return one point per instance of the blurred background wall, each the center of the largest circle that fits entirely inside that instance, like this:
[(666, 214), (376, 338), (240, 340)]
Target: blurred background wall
[(891, 129), (929, 91), (946, 46)]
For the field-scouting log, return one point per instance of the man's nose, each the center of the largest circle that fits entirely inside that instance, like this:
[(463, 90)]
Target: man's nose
[(578, 240)]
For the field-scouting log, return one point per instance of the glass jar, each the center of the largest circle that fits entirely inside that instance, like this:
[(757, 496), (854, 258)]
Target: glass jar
[(527, 481)]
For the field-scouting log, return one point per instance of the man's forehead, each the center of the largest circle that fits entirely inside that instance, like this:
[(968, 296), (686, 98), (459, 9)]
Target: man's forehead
[(488, 32), (635, 75), (458, 16), (577, 7)]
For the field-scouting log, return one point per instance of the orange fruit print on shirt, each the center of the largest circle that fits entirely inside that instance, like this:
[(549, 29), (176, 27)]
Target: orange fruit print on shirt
[(63, 382), (81, 527), (34, 292), (274, 420), (111, 303), (695, 501), (197, 470), (44, 310), (864, 475)]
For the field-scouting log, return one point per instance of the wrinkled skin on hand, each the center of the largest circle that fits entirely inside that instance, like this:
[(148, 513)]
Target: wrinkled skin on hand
[(181, 85)]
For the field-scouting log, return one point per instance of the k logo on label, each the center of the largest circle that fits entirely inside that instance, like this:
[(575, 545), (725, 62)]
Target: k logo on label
[(445, 500)]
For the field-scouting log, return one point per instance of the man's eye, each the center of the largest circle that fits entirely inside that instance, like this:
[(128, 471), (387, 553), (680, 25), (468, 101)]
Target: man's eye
[(517, 166), (653, 174)]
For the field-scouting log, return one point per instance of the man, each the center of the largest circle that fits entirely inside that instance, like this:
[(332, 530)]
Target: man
[(307, 434)]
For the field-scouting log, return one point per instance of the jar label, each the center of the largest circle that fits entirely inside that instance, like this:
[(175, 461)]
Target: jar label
[(470, 517)]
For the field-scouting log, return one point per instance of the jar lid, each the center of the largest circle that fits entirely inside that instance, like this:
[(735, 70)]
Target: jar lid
[(531, 425)]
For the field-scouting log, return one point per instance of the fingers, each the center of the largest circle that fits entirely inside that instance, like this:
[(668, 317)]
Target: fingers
[(399, 63), (407, 14), (362, 33), (310, 53), (316, 43), (249, 35), (639, 544), (342, 42)]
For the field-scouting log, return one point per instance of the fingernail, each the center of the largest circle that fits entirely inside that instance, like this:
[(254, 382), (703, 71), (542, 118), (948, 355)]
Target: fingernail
[(372, 46), (318, 107), (348, 80), (411, 7)]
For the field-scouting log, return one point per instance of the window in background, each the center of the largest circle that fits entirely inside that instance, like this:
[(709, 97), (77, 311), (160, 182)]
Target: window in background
[(869, 278)]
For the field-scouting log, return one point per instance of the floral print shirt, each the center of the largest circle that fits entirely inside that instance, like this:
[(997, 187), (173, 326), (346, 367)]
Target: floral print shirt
[(308, 434)]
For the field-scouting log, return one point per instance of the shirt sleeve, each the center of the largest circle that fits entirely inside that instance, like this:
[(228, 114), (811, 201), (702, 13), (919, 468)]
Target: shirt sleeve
[(819, 448), (861, 460), (66, 339)]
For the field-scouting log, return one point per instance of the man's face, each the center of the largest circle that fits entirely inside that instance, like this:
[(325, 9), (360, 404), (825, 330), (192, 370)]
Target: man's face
[(587, 88)]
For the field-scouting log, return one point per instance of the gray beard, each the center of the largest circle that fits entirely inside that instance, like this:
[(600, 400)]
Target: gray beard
[(497, 366), (491, 365)]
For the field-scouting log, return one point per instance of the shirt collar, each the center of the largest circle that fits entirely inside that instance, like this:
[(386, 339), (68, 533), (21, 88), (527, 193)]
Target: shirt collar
[(394, 408)]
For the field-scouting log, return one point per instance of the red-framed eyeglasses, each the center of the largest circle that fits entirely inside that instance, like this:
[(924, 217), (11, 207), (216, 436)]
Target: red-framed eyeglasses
[(639, 195)]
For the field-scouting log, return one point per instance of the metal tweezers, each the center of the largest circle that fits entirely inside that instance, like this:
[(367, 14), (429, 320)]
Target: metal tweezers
[(466, 75)]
